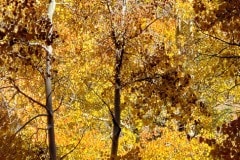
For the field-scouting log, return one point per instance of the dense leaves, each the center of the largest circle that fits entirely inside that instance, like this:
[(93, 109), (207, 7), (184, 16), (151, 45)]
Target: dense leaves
[(228, 147), (161, 73)]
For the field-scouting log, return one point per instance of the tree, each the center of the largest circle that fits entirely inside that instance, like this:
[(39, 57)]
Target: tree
[(220, 36), (147, 71), (24, 42), (48, 83), (219, 28)]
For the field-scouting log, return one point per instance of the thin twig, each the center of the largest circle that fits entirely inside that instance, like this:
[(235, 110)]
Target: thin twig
[(218, 55), (148, 79), (64, 156), (5, 87), (60, 104), (144, 29), (221, 40), (106, 104), (103, 101)]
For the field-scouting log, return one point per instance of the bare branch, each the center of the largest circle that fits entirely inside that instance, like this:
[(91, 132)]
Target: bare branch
[(148, 79), (227, 56), (219, 55), (29, 121), (113, 33), (64, 156), (221, 40), (60, 104), (28, 97), (5, 87), (94, 117), (143, 29), (105, 103), (39, 45)]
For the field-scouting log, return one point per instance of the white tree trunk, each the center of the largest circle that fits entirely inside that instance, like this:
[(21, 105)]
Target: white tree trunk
[(48, 86)]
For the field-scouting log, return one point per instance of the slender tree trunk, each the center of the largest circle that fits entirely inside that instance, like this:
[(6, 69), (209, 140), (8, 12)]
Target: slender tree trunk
[(50, 120), (117, 107), (178, 32), (119, 46), (48, 87)]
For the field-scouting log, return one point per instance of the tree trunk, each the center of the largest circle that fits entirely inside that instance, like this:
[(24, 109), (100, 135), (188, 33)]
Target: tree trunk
[(178, 32), (50, 120), (117, 107), (119, 47), (48, 87)]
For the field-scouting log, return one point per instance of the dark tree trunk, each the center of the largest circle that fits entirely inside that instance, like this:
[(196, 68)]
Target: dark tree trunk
[(119, 43), (117, 102)]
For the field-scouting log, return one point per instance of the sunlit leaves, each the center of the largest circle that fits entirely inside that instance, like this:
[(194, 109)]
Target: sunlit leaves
[(174, 71), (173, 145)]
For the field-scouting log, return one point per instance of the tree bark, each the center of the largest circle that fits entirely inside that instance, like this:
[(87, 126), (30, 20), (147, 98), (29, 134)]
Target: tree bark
[(117, 102), (119, 52), (48, 87), (50, 119)]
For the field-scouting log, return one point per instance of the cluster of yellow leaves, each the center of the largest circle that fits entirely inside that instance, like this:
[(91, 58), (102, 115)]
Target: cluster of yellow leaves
[(173, 145)]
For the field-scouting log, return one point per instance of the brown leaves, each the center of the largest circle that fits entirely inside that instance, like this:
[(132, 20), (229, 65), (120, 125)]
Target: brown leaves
[(229, 147), (22, 20), (199, 6), (21, 25), (224, 15)]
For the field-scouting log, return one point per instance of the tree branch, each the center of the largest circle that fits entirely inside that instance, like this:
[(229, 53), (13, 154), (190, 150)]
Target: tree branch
[(221, 40), (144, 29), (39, 45), (29, 121), (113, 32), (5, 87), (64, 156), (148, 79), (28, 97), (105, 103), (218, 55), (60, 104), (94, 117)]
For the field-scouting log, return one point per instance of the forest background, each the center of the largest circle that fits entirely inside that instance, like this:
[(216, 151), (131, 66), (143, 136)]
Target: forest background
[(119, 79)]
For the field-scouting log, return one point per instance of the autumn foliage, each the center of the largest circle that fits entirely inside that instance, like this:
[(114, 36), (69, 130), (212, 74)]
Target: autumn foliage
[(111, 79)]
